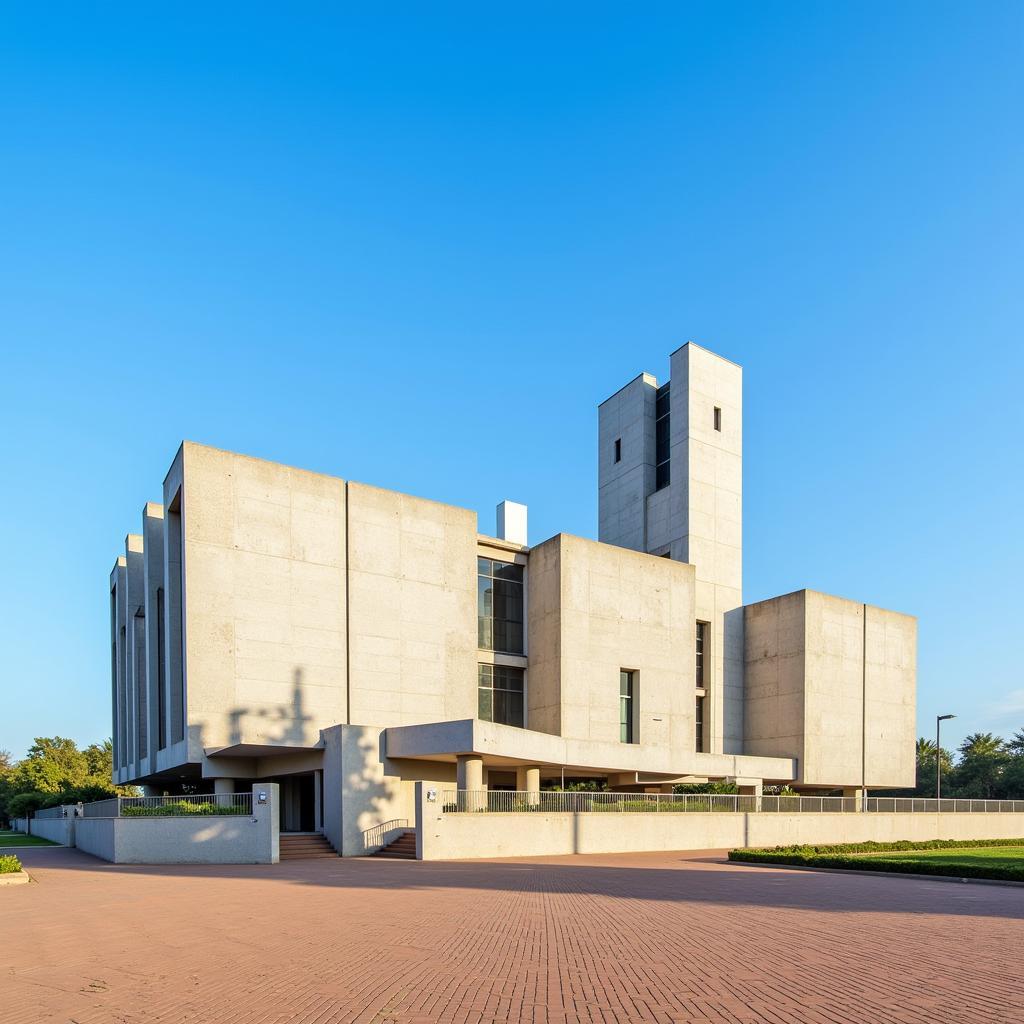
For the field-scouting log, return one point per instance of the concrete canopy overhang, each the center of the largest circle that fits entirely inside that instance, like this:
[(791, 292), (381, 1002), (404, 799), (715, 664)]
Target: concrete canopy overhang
[(259, 750), (503, 745), (261, 760)]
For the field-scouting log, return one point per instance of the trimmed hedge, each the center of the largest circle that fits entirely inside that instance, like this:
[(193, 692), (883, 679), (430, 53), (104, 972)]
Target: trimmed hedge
[(9, 864), (180, 808), (851, 856)]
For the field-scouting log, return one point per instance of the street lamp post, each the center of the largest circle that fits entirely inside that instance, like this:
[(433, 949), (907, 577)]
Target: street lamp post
[(939, 719)]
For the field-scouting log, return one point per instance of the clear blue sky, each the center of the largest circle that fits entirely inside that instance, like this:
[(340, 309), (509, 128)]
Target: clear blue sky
[(417, 251)]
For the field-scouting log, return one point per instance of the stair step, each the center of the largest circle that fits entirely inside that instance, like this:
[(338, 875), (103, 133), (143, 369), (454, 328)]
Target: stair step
[(312, 846)]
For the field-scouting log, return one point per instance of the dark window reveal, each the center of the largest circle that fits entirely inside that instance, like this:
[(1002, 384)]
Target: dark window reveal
[(499, 606), (662, 430), (500, 694)]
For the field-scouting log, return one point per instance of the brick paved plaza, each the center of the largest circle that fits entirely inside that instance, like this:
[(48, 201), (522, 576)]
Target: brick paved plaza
[(646, 937)]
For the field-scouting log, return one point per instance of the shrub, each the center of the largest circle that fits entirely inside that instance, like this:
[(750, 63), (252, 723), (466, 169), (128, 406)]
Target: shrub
[(9, 864), (180, 808)]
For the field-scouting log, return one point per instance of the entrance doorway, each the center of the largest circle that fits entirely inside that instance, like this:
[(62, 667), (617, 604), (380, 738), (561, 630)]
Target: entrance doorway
[(298, 803)]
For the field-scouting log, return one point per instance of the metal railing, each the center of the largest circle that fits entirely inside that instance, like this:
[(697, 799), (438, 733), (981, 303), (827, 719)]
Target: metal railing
[(170, 806), (376, 837), (557, 802), (49, 812)]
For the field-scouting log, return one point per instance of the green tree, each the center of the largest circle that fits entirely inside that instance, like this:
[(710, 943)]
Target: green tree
[(926, 754), (100, 758), (979, 774)]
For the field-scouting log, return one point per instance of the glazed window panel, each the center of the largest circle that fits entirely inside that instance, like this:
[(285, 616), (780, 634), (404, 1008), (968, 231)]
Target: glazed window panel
[(500, 610)]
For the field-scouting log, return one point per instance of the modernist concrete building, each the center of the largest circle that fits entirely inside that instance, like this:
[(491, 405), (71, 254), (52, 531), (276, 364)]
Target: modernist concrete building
[(345, 641)]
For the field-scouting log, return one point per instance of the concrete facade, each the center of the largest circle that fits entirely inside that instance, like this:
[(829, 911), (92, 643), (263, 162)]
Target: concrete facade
[(832, 682), (270, 624)]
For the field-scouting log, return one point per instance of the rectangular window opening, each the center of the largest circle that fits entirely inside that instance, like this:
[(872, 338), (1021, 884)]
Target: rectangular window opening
[(699, 721), (718, 418), (501, 694), (627, 706), (618, 449), (499, 606), (662, 438), (702, 634)]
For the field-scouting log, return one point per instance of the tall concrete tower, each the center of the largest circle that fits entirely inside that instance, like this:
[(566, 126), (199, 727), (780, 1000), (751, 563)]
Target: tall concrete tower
[(670, 482)]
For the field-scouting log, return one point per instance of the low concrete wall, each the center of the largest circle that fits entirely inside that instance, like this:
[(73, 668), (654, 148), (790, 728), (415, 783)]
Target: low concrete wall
[(57, 830), (465, 836), (96, 836), (204, 839)]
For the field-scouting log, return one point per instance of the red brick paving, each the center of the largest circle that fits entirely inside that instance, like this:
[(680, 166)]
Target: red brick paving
[(585, 940)]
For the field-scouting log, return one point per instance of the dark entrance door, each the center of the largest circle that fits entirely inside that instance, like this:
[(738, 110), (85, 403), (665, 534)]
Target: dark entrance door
[(298, 803)]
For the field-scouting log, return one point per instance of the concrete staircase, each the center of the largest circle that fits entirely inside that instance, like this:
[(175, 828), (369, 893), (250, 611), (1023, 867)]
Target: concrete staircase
[(402, 848), (305, 846)]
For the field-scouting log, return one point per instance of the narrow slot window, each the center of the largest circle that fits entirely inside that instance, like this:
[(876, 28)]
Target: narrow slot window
[(718, 418), (618, 449)]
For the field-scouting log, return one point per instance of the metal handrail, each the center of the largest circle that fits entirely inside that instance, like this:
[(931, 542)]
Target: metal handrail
[(373, 838), (170, 806), (50, 812), (559, 802)]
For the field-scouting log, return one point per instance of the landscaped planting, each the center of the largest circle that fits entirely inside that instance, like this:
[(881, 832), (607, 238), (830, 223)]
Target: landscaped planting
[(999, 859), (180, 808), (9, 864)]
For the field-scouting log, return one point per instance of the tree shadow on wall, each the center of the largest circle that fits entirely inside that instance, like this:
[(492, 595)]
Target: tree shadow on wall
[(290, 720)]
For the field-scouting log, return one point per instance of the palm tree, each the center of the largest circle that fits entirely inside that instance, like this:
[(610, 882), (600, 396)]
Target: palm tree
[(981, 744), (983, 759), (1016, 745)]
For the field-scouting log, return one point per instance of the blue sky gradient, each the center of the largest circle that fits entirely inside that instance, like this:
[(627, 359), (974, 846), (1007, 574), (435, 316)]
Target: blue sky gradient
[(418, 250)]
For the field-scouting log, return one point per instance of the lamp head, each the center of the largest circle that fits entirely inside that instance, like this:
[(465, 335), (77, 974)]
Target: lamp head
[(942, 718)]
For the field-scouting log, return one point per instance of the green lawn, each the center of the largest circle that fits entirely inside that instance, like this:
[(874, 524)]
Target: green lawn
[(993, 856), (999, 859), (20, 839)]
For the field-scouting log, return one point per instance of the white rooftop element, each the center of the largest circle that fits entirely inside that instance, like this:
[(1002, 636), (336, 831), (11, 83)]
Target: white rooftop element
[(512, 522)]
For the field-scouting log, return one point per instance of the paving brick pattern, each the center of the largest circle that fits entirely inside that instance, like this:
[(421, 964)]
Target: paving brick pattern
[(586, 940)]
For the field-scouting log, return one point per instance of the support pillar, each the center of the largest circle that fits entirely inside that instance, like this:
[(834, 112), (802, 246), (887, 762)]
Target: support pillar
[(470, 772), (751, 787), (528, 781), (858, 794), (223, 786), (318, 808)]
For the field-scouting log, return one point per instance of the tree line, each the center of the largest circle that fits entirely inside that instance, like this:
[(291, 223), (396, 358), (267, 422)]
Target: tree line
[(984, 766), (55, 771)]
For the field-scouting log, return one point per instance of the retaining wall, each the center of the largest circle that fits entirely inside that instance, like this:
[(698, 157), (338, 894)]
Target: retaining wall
[(472, 835), (57, 830), (204, 839)]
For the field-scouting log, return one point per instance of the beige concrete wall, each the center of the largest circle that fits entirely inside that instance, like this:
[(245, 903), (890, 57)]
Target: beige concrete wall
[(832, 682), (363, 788), (264, 568), (623, 486), (213, 839), (600, 609), (706, 505), (412, 609), (468, 836)]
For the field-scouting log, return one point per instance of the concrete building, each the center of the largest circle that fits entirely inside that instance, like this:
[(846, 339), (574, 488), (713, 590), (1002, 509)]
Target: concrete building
[(343, 641)]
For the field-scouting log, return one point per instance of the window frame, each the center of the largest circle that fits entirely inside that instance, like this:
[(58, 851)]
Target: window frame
[(487, 635), (629, 731), (491, 670)]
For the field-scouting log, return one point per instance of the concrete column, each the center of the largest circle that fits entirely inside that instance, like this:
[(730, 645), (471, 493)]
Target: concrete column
[(528, 781), (318, 811), (856, 793), (751, 787), (470, 772), (223, 785)]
